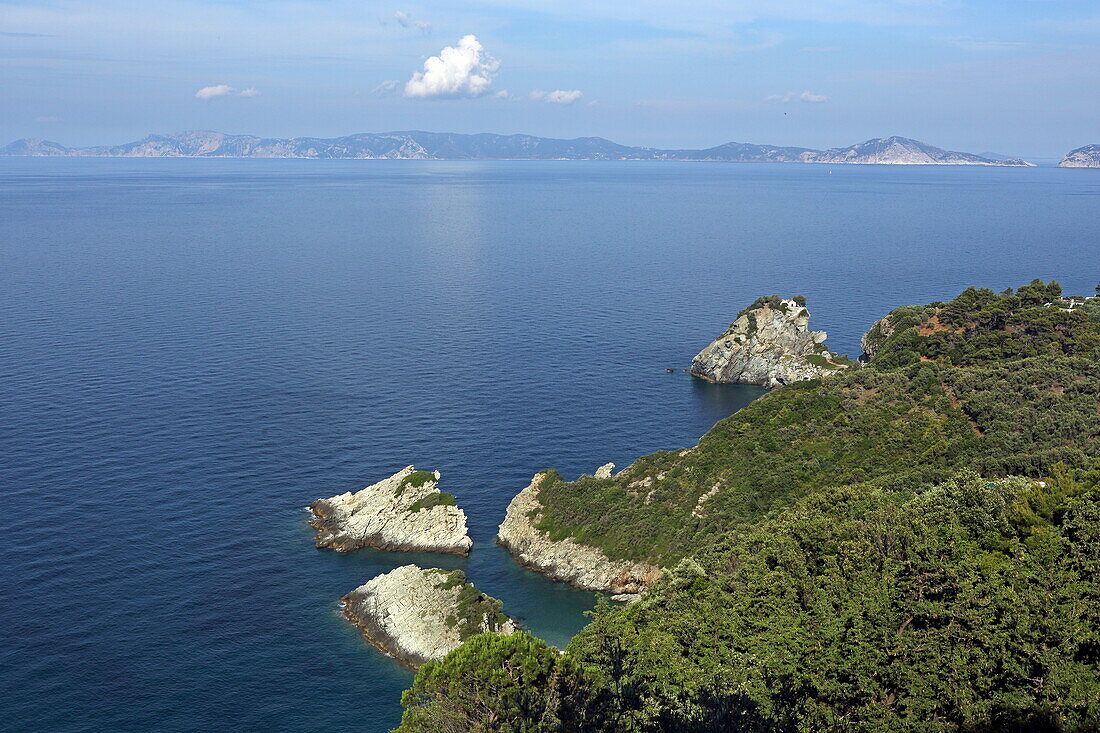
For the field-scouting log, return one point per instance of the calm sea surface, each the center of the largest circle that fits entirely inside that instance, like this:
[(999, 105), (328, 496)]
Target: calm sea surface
[(193, 350)]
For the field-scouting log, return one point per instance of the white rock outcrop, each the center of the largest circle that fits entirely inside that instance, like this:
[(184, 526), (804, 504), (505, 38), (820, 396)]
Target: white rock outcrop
[(567, 560), (418, 615), (769, 344), (404, 512)]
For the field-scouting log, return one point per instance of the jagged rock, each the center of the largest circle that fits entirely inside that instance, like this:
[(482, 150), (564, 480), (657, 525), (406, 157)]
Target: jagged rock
[(404, 512), (567, 560), (419, 615), (1083, 157), (876, 336), (604, 471), (769, 344)]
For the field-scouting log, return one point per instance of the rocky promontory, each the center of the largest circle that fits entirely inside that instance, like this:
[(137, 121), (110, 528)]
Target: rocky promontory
[(406, 511), (567, 560), (769, 344), (1084, 157), (876, 336), (419, 615)]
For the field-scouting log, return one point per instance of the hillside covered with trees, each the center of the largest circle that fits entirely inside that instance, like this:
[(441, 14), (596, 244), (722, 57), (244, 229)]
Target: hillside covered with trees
[(914, 545)]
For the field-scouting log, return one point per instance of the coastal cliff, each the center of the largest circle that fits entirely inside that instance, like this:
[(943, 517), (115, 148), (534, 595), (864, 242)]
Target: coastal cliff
[(768, 344), (1083, 157), (567, 560), (877, 335), (404, 512), (419, 615)]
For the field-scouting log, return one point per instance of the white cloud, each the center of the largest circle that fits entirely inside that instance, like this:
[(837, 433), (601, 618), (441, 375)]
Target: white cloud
[(558, 96), (403, 20), (462, 70), (386, 88), (218, 90), (504, 94), (224, 90), (809, 97)]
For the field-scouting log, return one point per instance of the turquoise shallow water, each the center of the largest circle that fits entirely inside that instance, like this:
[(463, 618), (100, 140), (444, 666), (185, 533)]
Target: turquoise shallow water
[(192, 350)]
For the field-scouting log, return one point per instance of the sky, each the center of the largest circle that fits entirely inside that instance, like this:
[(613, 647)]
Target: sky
[(1016, 77)]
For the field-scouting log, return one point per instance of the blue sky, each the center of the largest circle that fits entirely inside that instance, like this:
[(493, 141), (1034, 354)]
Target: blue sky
[(1011, 76)]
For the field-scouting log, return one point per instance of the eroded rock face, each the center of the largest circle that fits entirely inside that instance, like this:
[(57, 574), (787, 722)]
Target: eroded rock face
[(419, 615), (769, 344), (876, 336), (582, 566), (404, 512)]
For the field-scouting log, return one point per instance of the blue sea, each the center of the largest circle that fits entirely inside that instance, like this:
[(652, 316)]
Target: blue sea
[(193, 350)]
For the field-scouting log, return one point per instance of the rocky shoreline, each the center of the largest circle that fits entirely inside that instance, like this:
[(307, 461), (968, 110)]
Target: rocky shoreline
[(405, 512), (567, 560), (769, 344), (419, 615)]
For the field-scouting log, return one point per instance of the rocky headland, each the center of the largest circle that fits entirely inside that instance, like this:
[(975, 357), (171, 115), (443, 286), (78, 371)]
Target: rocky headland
[(406, 512), (567, 560), (769, 344), (1084, 157), (879, 333), (418, 615)]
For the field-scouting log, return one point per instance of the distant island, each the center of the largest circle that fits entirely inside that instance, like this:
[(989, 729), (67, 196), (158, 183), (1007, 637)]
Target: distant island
[(1084, 157), (416, 145)]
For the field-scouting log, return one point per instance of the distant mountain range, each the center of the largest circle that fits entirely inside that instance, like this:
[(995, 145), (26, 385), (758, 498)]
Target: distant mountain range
[(417, 145), (1085, 157)]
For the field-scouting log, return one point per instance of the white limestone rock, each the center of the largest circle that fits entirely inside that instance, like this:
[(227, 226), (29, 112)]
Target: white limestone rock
[(769, 344), (404, 512), (418, 615), (567, 560)]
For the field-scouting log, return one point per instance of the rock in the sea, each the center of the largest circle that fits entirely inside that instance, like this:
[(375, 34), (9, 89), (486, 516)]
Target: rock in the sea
[(567, 560), (405, 512), (769, 344), (1087, 156), (419, 615)]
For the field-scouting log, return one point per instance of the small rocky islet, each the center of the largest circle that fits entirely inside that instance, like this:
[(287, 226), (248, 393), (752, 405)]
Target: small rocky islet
[(405, 512), (768, 344), (411, 613), (418, 615)]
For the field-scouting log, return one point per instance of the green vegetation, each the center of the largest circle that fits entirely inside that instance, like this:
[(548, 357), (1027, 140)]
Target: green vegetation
[(415, 480), (820, 361), (439, 498), (773, 301), (910, 546), (474, 611), (914, 421), (492, 683)]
